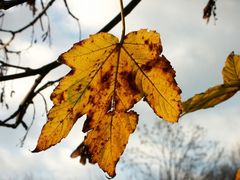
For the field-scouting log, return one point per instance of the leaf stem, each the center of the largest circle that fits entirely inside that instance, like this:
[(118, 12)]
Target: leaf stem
[(123, 22)]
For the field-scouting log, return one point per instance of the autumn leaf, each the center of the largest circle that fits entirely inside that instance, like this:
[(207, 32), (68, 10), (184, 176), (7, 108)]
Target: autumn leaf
[(106, 80), (219, 93), (237, 176), (231, 70), (210, 98)]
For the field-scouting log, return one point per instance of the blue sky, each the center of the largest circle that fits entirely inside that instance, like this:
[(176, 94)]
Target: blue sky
[(196, 50)]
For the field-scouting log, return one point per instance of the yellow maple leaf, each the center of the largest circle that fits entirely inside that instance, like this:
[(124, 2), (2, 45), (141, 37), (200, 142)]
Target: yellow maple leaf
[(106, 80)]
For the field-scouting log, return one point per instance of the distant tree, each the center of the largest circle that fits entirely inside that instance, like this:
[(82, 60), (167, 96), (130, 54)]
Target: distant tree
[(173, 152), (227, 170)]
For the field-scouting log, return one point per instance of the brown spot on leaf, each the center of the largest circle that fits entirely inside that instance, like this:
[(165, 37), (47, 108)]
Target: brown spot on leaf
[(105, 77), (131, 80), (90, 88), (60, 97), (79, 87), (97, 128), (53, 95), (91, 99), (78, 114), (151, 46), (70, 110), (147, 67)]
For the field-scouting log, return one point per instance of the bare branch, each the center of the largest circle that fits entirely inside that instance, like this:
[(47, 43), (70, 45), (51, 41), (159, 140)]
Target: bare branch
[(27, 131), (23, 106), (73, 16), (31, 72), (8, 4), (33, 21), (14, 66)]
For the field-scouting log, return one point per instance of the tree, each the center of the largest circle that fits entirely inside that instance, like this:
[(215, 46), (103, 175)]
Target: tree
[(173, 152), (210, 8)]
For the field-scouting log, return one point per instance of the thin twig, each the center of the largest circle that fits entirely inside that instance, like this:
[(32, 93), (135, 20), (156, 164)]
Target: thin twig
[(33, 21), (73, 16), (45, 102), (117, 19), (29, 127), (123, 22)]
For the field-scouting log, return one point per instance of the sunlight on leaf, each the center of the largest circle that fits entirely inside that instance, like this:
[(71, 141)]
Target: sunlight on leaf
[(106, 80)]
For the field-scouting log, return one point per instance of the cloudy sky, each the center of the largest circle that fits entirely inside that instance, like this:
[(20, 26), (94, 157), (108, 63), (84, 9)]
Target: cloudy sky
[(197, 52)]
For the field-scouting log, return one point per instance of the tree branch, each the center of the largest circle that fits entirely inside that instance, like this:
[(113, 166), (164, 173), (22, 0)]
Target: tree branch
[(31, 72), (8, 4), (33, 21)]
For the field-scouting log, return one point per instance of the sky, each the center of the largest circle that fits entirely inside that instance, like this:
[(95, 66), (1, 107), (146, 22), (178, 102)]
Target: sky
[(196, 50)]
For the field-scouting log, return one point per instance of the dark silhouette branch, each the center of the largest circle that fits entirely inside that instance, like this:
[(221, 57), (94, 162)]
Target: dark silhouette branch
[(33, 21), (4, 46), (24, 105), (8, 4), (31, 72)]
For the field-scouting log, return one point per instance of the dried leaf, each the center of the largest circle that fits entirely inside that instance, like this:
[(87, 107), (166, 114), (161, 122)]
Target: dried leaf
[(106, 80), (210, 9)]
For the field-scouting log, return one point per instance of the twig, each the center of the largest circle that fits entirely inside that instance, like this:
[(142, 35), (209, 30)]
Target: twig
[(123, 22), (27, 131), (73, 16), (45, 102), (117, 19), (23, 106), (33, 21)]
